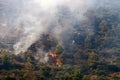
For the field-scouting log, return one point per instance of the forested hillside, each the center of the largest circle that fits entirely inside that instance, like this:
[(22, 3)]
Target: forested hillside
[(70, 48)]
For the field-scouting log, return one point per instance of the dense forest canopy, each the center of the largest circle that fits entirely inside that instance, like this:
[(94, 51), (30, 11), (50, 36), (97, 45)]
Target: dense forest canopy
[(59, 40)]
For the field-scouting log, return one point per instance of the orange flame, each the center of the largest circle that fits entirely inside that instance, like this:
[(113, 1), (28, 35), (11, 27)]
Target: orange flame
[(55, 56), (58, 62)]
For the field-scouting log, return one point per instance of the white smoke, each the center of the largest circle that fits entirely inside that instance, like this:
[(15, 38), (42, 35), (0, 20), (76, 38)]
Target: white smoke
[(35, 17), (42, 56)]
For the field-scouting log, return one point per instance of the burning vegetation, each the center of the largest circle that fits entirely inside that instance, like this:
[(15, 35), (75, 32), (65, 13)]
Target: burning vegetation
[(56, 57), (54, 40)]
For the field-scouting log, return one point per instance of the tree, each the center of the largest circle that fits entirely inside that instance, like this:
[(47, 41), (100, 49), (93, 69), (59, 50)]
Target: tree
[(58, 49), (29, 59), (4, 58), (93, 60)]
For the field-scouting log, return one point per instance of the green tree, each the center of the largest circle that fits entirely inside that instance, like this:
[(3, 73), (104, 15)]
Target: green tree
[(58, 49), (93, 60), (29, 59), (4, 58), (93, 57), (77, 76)]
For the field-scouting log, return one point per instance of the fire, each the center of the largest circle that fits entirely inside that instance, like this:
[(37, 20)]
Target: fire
[(58, 62), (55, 56)]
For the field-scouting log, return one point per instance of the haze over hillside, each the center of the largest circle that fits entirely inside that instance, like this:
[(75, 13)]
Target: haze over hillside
[(83, 34)]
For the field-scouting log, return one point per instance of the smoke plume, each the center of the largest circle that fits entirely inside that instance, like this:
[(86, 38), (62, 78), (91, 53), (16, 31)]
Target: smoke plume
[(24, 21), (34, 17)]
